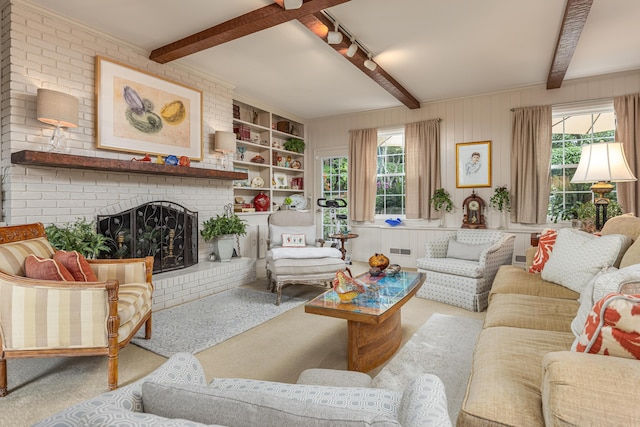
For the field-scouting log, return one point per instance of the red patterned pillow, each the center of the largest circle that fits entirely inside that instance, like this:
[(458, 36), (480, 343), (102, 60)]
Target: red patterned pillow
[(36, 267), (545, 247), (613, 327), (77, 265)]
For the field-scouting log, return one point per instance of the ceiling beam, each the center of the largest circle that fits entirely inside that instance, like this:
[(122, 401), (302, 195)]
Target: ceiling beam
[(319, 24), (243, 25), (575, 16)]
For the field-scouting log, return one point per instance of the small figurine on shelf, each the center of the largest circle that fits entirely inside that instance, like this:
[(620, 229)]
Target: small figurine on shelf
[(146, 158), (287, 162), (171, 160), (159, 160), (184, 161)]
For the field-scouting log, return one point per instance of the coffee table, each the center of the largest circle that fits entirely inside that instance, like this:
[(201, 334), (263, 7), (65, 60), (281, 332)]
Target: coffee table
[(373, 319)]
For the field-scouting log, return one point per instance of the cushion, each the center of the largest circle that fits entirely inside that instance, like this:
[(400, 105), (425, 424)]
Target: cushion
[(36, 267), (293, 240), (632, 255), (466, 251), (77, 265), (545, 247), (241, 408), (578, 256), (613, 327), (627, 224), (614, 280), (276, 231), (586, 303), (12, 255), (112, 415)]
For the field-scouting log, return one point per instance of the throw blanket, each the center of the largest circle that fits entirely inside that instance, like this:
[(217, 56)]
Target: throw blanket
[(308, 252)]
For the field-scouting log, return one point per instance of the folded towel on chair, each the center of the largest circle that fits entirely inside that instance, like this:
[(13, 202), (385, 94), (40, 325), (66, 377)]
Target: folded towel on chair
[(306, 252)]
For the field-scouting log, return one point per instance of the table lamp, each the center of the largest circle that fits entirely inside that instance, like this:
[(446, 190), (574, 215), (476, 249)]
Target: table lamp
[(58, 109), (226, 144), (602, 163)]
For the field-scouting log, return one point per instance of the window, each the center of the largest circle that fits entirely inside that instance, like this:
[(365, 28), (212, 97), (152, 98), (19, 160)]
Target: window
[(573, 128), (390, 195), (334, 176)]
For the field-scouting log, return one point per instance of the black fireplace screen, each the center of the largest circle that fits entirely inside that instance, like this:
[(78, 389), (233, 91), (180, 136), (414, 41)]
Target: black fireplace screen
[(164, 230)]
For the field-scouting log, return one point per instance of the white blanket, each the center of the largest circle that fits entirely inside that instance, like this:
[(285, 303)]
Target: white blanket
[(307, 252)]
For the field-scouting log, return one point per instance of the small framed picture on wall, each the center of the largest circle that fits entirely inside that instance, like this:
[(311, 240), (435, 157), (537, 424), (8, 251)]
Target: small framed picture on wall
[(473, 164)]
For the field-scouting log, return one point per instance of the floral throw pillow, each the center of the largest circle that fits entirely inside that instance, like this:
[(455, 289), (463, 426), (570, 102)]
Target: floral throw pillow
[(613, 327), (545, 247)]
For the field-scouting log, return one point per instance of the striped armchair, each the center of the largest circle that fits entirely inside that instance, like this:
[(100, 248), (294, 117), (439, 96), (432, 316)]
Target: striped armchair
[(41, 318)]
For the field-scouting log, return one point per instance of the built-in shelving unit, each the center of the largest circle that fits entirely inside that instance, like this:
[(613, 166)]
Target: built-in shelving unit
[(260, 139), (70, 161)]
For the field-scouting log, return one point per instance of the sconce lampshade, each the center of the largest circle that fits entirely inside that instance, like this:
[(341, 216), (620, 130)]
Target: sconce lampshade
[(57, 108), (603, 161), (225, 142)]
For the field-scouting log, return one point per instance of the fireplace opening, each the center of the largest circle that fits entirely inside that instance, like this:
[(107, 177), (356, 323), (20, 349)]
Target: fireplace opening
[(164, 230)]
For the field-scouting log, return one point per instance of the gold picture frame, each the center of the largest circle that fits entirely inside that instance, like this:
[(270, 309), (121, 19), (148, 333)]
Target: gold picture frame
[(137, 112), (473, 164)]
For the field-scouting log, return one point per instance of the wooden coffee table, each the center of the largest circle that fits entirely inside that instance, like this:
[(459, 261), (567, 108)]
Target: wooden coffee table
[(373, 318)]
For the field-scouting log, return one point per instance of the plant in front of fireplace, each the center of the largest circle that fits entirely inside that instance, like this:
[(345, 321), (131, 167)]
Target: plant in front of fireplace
[(78, 236), (221, 230)]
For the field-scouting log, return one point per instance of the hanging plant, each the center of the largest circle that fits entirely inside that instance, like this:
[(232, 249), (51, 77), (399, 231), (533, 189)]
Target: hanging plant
[(501, 199), (441, 199)]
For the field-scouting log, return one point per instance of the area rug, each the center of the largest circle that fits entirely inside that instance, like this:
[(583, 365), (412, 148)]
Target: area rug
[(198, 325), (443, 346)]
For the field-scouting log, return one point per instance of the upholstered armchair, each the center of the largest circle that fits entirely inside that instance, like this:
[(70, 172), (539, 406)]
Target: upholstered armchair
[(49, 318), (461, 266), (294, 254)]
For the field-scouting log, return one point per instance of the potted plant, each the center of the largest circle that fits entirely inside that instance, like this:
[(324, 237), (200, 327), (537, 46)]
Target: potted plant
[(80, 236), (294, 144), (501, 201), (441, 199), (221, 230), (286, 204)]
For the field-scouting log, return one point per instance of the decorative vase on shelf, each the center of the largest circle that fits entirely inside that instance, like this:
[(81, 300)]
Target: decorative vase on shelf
[(261, 202)]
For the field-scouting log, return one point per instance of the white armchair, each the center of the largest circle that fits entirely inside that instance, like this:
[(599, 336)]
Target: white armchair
[(461, 266)]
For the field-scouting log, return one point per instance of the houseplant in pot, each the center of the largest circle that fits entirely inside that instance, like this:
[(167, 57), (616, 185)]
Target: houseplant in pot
[(294, 144), (441, 199), (221, 231), (80, 236), (501, 201)]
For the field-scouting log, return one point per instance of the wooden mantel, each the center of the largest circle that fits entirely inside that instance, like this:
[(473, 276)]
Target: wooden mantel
[(70, 161)]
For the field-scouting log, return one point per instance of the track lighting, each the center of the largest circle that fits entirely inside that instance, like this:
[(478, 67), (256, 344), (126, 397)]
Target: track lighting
[(292, 4), (334, 37), (352, 49), (370, 64)]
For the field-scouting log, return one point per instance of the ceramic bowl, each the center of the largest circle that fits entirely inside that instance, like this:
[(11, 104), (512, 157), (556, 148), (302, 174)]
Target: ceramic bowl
[(348, 296), (375, 271), (392, 270)]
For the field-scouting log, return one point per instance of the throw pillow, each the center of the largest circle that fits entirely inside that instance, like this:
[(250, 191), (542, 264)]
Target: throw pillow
[(614, 281), (244, 408), (631, 255), (465, 251), (293, 240), (77, 265), (586, 304), (545, 247), (578, 256), (276, 231), (36, 267), (613, 327)]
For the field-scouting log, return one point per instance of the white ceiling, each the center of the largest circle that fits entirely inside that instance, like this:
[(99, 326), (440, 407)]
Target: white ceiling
[(437, 49)]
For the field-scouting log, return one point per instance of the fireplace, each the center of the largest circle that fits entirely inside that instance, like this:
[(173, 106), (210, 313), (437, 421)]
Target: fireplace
[(164, 230)]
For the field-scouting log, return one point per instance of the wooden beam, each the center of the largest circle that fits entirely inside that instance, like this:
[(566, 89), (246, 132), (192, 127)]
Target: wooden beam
[(243, 25), (319, 24), (575, 16)]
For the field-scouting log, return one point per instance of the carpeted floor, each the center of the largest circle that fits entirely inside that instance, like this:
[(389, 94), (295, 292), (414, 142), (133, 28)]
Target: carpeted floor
[(200, 324), (443, 346), (276, 350)]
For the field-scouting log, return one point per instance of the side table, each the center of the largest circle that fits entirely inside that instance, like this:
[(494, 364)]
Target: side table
[(343, 238)]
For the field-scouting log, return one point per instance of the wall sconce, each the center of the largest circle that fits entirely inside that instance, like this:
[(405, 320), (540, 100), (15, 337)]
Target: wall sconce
[(370, 64), (602, 163), (60, 110), (225, 143)]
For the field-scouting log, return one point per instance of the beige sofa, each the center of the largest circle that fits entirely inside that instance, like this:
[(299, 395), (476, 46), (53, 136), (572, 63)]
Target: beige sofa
[(524, 373)]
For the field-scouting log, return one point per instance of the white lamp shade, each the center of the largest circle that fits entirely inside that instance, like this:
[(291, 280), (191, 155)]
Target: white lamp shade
[(603, 161), (225, 142), (57, 108)]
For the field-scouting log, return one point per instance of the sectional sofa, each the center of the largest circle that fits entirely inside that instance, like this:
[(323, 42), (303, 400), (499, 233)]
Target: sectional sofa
[(529, 365)]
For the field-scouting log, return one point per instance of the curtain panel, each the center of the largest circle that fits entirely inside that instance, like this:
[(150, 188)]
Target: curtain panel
[(422, 168), (531, 164), (627, 109), (363, 167)]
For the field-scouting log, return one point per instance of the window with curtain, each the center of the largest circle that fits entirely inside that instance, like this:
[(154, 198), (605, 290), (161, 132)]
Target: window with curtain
[(390, 182), (572, 128)]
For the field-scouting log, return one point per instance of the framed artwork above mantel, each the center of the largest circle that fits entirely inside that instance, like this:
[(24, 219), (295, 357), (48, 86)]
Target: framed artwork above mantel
[(137, 112), (473, 164)]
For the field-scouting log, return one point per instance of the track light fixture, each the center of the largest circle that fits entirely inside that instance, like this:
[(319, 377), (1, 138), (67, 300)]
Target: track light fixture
[(352, 49), (292, 4), (334, 37), (370, 64)]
